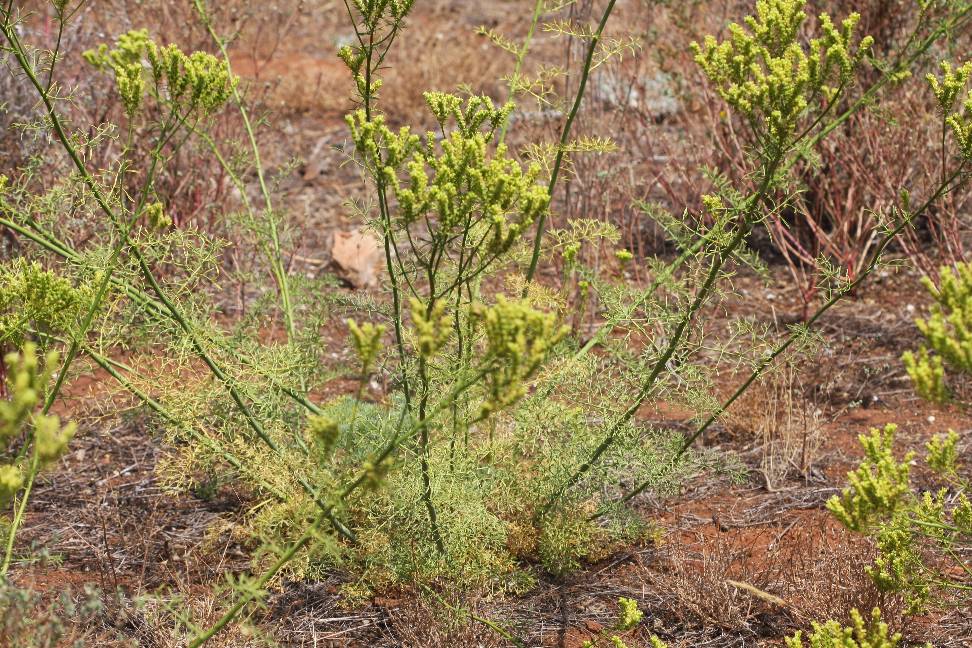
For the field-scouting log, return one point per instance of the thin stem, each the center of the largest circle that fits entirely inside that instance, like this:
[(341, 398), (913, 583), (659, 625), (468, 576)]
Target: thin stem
[(171, 310), (146, 272), (648, 387), (312, 530), (19, 515), (52, 244), (276, 258), (110, 367), (796, 334), (565, 136), (260, 583), (521, 55)]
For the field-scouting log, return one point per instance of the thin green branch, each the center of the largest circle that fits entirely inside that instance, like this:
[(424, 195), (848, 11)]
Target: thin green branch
[(565, 136)]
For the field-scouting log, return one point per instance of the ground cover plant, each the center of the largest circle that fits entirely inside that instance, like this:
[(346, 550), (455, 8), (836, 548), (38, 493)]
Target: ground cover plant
[(510, 403)]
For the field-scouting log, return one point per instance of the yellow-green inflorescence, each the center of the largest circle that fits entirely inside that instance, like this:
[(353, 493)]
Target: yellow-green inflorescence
[(373, 14), (35, 299), (861, 634), (366, 340), (192, 82), (765, 73), (324, 430), (948, 331), (629, 616), (878, 486), (881, 502), (453, 182), (27, 378), (433, 327), (518, 338), (156, 216), (954, 108)]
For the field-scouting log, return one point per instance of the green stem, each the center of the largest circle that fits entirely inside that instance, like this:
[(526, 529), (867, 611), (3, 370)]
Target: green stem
[(172, 311), (520, 57), (565, 136), (780, 349), (276, 258), (19, 516), (648, 387), (148, 302)]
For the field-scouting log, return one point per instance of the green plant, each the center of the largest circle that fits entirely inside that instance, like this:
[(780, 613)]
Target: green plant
[(35, 299), (948, 331), (503, 439), (836, 223), (29, 440), (872, 634), (918, 535), (629, 616)]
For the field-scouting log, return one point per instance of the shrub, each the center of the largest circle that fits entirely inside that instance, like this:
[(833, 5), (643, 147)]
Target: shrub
[(917, 534), (504, 439), (948, 331)]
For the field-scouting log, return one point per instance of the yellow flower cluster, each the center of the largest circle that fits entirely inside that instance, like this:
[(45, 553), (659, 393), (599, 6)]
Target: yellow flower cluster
[(878, 485), (197, 81), (34, 298), (881, 502), (432, 328), (324, 429), (765, 73), (859, 635), (948, 90), (366, 339), (27, 382), (455, 184), (948, 331), (518, 338)]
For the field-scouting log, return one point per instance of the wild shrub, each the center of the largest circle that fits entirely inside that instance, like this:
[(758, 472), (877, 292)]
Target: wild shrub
[(948, 331), (504, 439), (920, 535)]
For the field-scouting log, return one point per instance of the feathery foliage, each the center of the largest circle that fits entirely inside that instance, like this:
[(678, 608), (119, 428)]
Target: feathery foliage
[(505, 440)]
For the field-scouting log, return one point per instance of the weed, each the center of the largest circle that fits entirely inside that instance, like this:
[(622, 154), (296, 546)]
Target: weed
[(504, 439), (917, 534), (948, 331), (860, 635)]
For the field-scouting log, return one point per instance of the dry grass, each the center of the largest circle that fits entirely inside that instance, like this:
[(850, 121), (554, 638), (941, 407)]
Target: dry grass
[(776, 416)]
